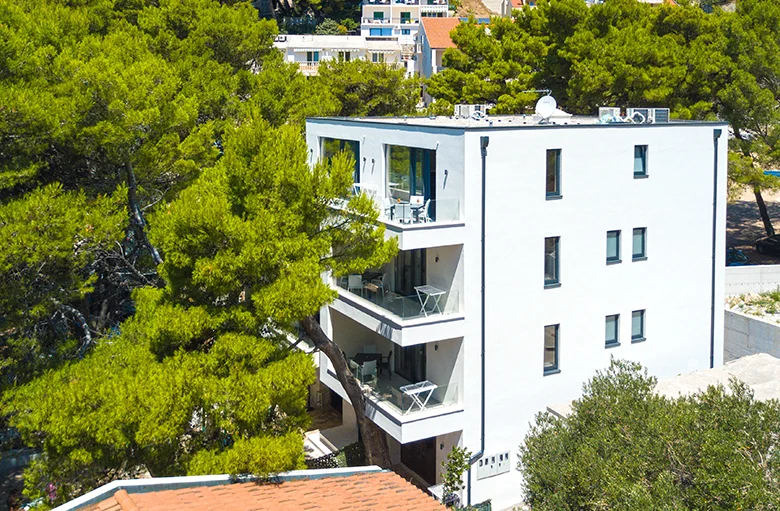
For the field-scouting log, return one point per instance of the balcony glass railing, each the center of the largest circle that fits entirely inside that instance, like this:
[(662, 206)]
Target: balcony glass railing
[(403, 396), (408, 213), (428, 302), (402, 399)]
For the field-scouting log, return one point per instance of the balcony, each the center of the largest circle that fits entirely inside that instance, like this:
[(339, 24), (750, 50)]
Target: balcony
[(429, 301), (412, 391)]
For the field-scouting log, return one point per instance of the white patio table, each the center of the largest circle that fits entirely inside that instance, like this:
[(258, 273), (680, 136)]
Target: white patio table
[(429, 292), (420, 393)]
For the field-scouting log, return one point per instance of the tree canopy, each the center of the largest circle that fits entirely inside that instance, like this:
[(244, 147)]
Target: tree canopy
[(624, 448), (364, 88)]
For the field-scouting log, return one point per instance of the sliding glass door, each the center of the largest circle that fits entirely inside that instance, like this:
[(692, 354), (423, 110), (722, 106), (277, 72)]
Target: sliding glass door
[(412, 171)]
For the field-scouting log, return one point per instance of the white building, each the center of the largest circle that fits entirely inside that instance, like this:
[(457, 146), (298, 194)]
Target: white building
[(398, 19), (309, 50), (542, 250)]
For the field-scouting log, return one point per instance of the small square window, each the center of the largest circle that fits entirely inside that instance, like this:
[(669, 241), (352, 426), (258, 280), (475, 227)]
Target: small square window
[(406, 31), (613, 247), (551, 348), (553, 177), (640, 161), (639, 250), (638, 325), (551, 262), (612, 330)]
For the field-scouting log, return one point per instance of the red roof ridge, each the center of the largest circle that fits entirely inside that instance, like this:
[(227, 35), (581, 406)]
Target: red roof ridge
[(125, 501)]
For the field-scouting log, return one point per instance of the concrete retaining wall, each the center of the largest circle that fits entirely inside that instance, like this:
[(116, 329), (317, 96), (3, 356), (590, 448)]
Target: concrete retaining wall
[(752, 279), (748, 335)]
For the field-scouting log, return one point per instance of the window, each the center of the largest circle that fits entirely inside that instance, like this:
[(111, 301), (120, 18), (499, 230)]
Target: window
[(406, 31), (551, 263), (639, 251), (553, 188), (410, 271), (345, 56), (375, 32), (379, 15), (332, 146), (377, 57), (410, 362), (640, 161), (312, 56), (412, 171), (638, 326), (551, 349), (612, 330), (613, 247), (406, 17)]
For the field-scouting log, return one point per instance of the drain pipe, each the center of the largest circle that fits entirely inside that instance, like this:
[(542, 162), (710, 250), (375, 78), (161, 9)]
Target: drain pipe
[(715, 138), (483, 144)]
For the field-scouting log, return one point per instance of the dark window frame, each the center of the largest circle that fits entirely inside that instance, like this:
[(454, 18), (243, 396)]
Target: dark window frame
[(555, 367), (616, 258), (643, 150), (643, 255), (556, 175), (556, 280), (616, 340), (641, 337)]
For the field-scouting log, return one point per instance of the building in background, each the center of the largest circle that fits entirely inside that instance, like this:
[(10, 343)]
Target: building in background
[(434, 40), (309, 50), (531, 252)]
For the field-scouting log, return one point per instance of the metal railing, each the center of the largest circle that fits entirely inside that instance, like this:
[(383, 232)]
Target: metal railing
[(390, 393), (436, 211)]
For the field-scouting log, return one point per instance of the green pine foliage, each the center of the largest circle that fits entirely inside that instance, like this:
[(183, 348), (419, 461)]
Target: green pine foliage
[(625, 448), (363, 88)]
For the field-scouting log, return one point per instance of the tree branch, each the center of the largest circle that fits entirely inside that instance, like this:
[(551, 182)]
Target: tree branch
[(136, 215)]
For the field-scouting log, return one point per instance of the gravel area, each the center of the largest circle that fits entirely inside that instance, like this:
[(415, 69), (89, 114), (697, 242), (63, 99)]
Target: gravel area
[(763, 305)]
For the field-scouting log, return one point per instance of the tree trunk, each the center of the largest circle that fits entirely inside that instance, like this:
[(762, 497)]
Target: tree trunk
[(770, 231), (136, 217), (374, 439)]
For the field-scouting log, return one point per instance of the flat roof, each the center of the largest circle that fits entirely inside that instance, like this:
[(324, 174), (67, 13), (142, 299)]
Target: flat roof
[(501, 122)]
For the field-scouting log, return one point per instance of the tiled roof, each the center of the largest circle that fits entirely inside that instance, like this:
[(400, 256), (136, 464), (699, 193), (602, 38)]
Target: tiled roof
[(437, 31), (358, 492)]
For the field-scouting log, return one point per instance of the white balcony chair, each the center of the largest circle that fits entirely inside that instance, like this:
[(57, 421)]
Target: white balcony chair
[(388, 207), (355, 284), (423, 215)]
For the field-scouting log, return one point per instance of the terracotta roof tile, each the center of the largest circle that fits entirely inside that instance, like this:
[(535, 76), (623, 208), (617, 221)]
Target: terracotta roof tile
[(437, 31), (358, 492)]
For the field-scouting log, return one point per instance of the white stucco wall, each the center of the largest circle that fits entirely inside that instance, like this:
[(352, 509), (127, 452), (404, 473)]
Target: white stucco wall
[(674, 285), (747, 335), (752, 279)]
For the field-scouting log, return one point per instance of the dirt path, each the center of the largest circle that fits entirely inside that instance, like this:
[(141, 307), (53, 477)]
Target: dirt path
[(744, 226)]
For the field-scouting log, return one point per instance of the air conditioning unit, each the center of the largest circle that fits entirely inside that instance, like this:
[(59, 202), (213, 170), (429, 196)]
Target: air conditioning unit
[(639, 115), (648, 115), (660, 115), (609, 113), (467, 111)]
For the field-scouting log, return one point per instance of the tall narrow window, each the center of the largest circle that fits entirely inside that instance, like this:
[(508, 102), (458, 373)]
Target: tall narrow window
[(638, 326), (551, 348), (639, 251), (640, 161), (553, 187), (613, 247), (551, 262), (612, 330), (377, 57)]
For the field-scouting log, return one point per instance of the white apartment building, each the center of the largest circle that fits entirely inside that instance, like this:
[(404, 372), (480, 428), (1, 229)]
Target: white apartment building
[(530, 254), (398, 19), (309, 50)]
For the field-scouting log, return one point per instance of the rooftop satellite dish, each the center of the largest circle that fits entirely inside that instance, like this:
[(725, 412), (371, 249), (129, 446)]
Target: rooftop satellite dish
[(545, 107)]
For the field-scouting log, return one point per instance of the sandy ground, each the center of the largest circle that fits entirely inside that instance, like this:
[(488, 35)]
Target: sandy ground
[(744, 226)]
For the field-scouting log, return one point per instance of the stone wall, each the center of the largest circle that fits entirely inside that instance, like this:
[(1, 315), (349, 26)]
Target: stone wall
[(748, 335), (752, 279)]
